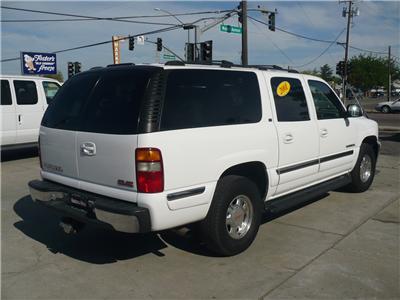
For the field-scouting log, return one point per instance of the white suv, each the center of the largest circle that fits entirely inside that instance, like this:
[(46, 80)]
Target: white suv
[(151, 147)]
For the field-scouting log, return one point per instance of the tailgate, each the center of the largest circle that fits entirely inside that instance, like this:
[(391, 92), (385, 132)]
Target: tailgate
[(107, 159), (92, 128)]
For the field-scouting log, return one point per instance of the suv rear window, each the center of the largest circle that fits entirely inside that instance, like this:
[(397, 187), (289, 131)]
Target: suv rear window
[(100, 102), (201, 98)]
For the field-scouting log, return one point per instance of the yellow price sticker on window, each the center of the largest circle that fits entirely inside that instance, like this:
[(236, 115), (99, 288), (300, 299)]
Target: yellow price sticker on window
[(283, 89)]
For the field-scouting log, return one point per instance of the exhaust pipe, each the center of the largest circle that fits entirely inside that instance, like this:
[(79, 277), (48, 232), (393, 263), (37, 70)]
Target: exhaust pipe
[(70, 226)]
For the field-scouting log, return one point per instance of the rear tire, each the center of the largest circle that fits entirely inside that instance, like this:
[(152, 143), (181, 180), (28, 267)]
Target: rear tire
[(386, 109), (234, 216), (364, 170)]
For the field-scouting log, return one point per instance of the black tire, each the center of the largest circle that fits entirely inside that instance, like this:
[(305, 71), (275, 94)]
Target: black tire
[(214, 227), (359, 185), (386, 109)]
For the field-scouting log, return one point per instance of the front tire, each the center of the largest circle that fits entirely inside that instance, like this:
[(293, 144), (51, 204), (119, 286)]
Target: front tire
[(364, 170), (386, 109), (234, 216)]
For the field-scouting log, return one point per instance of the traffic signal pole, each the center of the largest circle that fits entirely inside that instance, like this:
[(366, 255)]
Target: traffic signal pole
[(245, 58)]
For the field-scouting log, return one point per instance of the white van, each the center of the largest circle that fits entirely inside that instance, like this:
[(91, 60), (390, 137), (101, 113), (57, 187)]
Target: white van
[(24, 100)]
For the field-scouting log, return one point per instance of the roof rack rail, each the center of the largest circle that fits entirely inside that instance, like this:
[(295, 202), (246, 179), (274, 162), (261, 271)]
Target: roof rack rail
[(228, 64), (174, 63), (124, 64)]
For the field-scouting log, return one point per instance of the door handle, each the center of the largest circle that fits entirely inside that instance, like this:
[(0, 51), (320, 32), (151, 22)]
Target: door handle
[(19, 119), (88, 149), (324, 133), (288, 138)]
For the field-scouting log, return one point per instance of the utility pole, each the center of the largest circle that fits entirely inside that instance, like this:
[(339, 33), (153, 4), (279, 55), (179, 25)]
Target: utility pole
[(245, 58), (390, 75), (350, 12)]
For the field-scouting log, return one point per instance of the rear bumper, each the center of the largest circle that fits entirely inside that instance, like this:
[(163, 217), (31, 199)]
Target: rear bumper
[(91, 208)]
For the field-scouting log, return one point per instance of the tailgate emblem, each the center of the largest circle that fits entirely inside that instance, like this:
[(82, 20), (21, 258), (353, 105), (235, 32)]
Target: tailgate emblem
[(125, 183)]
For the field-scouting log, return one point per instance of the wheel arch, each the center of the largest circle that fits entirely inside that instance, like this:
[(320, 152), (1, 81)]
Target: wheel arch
[(372, 140), (256, 171)]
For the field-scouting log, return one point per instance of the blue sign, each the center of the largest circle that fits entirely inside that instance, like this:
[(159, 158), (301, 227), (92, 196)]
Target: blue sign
[(38, 63)]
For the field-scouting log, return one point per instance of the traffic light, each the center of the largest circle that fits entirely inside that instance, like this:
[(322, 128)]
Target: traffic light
[(159, 44), (71, 69), (190, 52), (77, 67), (349, 67), (131, 43), (340, 68), (206, 51), (271, 21)]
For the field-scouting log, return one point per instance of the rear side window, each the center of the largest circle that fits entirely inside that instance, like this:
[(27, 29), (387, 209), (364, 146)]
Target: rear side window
[(50, 90), (101, 102), (5, 93), (289, 98), (25, 92), (201, 98)]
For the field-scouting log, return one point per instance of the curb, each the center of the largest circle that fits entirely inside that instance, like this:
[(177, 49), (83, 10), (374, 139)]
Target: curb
[(389, 128)]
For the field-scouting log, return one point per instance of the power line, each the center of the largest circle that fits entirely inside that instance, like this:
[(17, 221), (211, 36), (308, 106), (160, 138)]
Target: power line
[(83, 19), (366, 50), (315, 39), (323, 52), (121, 19), (292, 33), (275, 45), (105, 42)]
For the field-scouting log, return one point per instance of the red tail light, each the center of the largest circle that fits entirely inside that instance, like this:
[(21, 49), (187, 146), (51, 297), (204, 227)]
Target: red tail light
[(149, 170), (40, 156)]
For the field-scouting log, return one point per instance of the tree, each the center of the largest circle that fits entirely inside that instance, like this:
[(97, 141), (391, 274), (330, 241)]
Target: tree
[(59, 76), (369, 71), (311, 72), (326, 73)]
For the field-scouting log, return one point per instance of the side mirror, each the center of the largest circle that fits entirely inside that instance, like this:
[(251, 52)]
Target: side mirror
[(354, 110)]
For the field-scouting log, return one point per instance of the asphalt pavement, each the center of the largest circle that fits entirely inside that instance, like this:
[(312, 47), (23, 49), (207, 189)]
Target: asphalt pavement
[(339, 246)]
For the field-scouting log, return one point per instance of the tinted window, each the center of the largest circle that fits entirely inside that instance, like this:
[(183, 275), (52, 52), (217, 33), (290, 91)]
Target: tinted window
[(115, 104), (5, 93), (200, 98), (50, 90), (326, 103), (65, 110), (104, 102), (290, 101), (26, 92)]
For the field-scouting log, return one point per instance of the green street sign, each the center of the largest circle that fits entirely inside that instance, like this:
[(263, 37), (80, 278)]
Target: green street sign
[(169, 57), (230, 29)]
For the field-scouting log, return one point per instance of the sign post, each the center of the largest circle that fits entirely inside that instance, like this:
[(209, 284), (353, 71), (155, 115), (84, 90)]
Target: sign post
[(116, 49), (37, 63)]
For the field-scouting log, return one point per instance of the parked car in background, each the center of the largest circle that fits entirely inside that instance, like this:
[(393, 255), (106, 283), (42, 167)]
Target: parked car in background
[(24, 100), (388, 106)]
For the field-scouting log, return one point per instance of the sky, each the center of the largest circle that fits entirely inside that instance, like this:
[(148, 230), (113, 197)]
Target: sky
[(376, 27)]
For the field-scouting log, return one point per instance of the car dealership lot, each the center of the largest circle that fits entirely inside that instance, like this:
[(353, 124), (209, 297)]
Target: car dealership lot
[(339, 246)]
